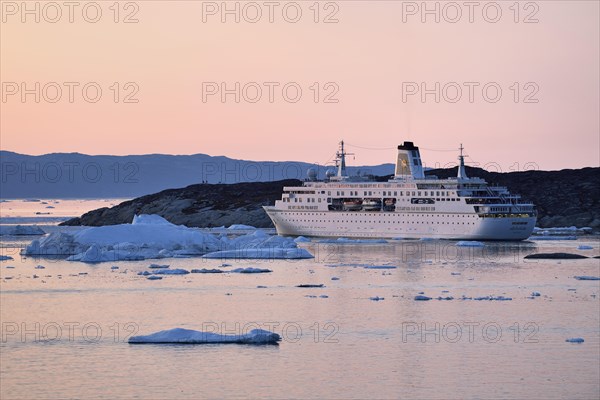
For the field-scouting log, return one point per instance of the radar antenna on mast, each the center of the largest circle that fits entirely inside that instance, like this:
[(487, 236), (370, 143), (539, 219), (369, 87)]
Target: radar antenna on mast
[(462, 174), (340, 161)]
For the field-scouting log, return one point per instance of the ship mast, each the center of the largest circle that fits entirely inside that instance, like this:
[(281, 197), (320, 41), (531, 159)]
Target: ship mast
[(340, 161), (461, 167)]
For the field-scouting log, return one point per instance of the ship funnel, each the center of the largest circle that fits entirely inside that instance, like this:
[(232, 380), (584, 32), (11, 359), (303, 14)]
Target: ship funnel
[(408, 163)]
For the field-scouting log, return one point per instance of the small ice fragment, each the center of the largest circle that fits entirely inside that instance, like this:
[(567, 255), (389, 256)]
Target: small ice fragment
[(225, 265), (587, 278), (311, 296), (379, 267), (82, 273), (376, 298), (35, 276), (114, 267), (535, 294), (324, 296), (575, 340), (261, 287), (311, 285), (422, 298), (207, 271), (154, 277), (335, 278), (584, 247), (421, 293), (166, 271), (144, 273), (454, 273), (5, 258), (469, 243), (158, 266), (251, 270), (10, 266), (445, 298), (40, 267)]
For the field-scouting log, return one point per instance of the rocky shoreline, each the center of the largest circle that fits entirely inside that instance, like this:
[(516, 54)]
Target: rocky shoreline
[(563, 198)]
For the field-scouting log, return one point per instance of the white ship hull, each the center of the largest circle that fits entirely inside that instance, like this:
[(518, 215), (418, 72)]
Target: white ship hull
[(387, 225)]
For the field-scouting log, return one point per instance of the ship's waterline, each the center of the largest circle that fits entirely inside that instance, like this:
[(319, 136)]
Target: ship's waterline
[(410, 205)]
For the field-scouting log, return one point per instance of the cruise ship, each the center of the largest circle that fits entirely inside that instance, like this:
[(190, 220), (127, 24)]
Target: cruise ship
[(410, 205)]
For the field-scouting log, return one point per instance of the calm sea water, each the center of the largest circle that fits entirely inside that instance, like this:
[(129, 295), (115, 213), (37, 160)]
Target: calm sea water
[(64, 333)]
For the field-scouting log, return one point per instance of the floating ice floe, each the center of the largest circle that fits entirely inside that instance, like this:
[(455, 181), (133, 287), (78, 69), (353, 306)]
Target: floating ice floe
[(250, 270), (176, 271), (379, 267), (207, 271), (40, 267), (422, 298), (469, 243), (333, 278), (114, 267), (154, 278), (587, 278), (575, 340), (454, 273), (151, 236), (376, 298), (158, 266), (490, 298), (6, 258), (188, 336), (301, 239), (552, 237), (535, 294), (311, 285), (18, 230), (584, 247)]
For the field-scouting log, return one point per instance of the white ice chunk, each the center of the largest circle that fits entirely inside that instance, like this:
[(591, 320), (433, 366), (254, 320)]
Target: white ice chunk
[(242, 227), (301, 239), (587, 278), (272, 253), (188, 336), (175, 271)]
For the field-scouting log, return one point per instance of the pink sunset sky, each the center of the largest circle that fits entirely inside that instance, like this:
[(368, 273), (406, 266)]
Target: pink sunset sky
[(361, 67)]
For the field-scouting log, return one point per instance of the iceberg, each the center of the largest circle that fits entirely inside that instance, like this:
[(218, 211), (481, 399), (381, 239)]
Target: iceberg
[(238, 227), (151, 236), (21, 230), (189, 336), (6, 258)]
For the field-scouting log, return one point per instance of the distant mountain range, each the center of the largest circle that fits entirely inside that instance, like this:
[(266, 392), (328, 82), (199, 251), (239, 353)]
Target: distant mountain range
[(75, 175)]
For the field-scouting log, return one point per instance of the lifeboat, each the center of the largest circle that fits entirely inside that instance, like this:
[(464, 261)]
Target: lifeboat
[(352, 205)]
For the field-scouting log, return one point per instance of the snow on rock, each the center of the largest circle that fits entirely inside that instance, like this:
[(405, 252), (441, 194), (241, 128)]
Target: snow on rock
[(6, 258), (587, 278), (151, 236), (575, 340), (188, 336), (469, 243), (18, 230)]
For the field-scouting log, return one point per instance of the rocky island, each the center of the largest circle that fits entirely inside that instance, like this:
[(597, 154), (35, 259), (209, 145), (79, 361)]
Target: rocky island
[(563, 198)]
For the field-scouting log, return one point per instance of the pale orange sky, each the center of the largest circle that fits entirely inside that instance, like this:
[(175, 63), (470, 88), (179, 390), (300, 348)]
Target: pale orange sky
[(369, 53)]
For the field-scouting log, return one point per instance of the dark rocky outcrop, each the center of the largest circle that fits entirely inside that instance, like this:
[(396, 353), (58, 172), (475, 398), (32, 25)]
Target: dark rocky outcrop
[(202, 205), (563, 198)]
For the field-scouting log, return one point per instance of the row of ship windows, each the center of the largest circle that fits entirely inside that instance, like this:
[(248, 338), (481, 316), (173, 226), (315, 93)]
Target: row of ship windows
[(385, 222), (387, 215), (421, 193)]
